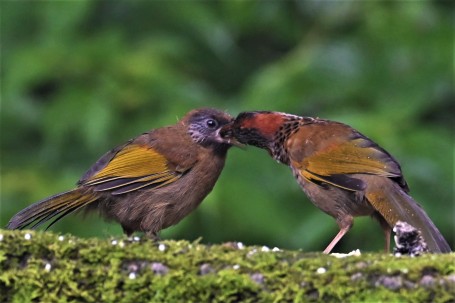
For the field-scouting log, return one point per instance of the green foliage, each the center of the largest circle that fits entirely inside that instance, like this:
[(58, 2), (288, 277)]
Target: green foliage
[(51, 268), (81, 77)]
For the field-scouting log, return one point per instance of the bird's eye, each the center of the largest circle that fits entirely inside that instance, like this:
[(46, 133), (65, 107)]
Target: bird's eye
[(211, 123)]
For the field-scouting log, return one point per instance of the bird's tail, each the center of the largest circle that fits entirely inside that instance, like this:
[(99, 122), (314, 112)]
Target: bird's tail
[(394, 204), (55, 208)]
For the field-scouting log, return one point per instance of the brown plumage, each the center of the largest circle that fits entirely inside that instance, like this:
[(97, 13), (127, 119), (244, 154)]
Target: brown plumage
[(344, 173), (149, 183)]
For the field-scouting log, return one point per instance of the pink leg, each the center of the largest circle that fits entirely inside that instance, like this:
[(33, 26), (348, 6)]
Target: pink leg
[(345, 225), (386, 228), (335, 240), (387, 233)]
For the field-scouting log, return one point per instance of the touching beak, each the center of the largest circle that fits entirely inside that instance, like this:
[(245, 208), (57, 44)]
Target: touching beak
[(226, 134), (233, 141)]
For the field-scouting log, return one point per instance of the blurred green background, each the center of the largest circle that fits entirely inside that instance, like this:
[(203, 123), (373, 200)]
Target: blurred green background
[(80, 77)]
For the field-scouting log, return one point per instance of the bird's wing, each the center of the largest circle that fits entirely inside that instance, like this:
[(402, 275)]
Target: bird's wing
[(335, 162), (132, 167)]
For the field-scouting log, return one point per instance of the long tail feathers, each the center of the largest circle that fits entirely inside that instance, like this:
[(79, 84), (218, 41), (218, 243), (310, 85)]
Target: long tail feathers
[(55, 208), (394, 204)]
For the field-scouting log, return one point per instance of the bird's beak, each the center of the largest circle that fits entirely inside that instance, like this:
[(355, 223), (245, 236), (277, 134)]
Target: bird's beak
[(226, 131), (227, 135), (234, 142)]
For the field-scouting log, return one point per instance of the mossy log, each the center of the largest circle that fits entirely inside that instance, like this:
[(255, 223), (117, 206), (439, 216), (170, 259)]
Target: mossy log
[(45, 267)]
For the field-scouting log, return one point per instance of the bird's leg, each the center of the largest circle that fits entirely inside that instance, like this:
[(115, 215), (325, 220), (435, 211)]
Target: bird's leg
[(152, 235), (345, 225), (128, 232), (386, 228), (387, 233)]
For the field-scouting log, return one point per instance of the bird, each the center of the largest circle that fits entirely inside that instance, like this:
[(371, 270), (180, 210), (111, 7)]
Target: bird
[(147, 184), (343, 173)]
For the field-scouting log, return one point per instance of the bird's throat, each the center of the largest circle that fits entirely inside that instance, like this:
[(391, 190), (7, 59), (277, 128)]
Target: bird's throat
[(277, 147)]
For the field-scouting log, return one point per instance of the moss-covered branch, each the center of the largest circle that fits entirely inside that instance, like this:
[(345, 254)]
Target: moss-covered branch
[(45, 267)]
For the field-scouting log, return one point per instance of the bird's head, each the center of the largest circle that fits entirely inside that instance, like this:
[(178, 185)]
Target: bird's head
[(258, 128), (204, 126)]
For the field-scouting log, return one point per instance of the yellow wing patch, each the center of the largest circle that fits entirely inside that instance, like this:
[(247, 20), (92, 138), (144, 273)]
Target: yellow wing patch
[(134, 161), (337, 163), (132, 168), (309, 176), (351, 158)]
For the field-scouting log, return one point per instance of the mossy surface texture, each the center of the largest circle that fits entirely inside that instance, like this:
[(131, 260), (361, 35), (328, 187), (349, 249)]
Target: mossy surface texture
[(45, 267)]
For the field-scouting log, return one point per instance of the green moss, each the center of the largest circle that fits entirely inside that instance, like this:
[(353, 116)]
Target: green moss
[(52, 268)]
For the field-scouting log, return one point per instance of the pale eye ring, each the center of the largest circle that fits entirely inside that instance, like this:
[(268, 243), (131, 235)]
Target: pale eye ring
[(211, 123)]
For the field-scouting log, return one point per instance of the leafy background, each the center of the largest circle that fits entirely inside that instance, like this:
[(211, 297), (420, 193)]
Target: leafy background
[(80, 77)]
